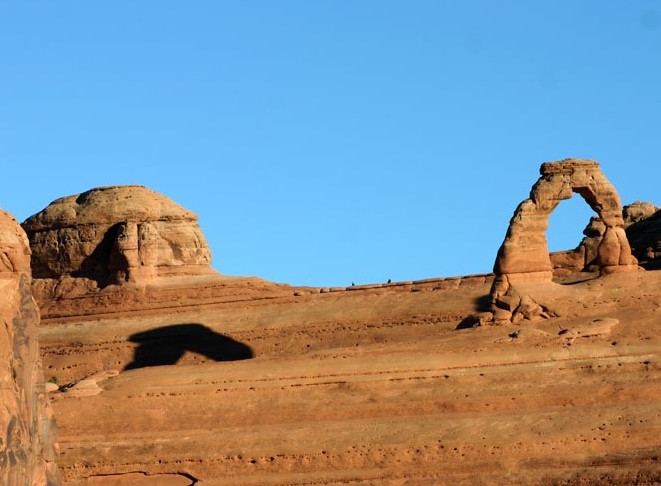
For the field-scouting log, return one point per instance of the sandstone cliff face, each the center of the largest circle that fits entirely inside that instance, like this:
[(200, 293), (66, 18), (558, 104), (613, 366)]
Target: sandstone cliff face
[(27, 446), (116, 235), (573, 400)]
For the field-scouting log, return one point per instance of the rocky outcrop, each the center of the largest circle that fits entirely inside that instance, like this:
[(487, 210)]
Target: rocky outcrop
[(637, 212), (27, 427), (115, 235), (525, 250), (642, 224), (585, 257), (643, 227), (524, 254)]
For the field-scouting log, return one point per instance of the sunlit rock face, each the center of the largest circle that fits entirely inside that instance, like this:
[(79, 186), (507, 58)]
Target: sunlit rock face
[(525, 249), (27, 427), (524, 254), (116, 235)]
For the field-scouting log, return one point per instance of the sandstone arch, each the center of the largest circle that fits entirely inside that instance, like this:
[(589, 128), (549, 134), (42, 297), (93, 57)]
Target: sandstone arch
[(524, 253), (524, 256)]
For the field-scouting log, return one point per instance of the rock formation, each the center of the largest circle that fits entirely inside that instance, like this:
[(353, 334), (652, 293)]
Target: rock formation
[(642, 224), (27, 445), (368, 385), (525, 250), (116, 235), (157, 388), (585, 257), (642, 221), (524, 255)]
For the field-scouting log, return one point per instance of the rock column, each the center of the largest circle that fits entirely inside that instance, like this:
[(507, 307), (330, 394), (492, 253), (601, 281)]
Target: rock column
[(27, 427)]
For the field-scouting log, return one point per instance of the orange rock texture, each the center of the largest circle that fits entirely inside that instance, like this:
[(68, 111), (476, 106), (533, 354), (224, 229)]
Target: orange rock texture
[(27, 428), (364, 386), (172, 374), (114, 235)]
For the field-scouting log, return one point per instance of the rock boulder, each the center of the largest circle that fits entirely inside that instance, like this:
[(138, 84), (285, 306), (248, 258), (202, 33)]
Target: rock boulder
[(116, 235)]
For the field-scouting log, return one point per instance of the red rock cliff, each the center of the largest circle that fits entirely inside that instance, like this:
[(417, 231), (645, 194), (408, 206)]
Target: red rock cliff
[(27, 445)]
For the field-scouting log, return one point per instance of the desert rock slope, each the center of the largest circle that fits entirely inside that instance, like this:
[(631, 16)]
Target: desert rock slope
[(171, 374)]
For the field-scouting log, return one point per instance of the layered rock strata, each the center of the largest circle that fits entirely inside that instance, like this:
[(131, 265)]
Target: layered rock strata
[(524, 254), (114, 236), (573, 400), (27, 427)]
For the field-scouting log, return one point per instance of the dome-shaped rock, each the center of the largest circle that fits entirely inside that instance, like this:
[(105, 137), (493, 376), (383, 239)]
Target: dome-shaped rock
[(114, 235)]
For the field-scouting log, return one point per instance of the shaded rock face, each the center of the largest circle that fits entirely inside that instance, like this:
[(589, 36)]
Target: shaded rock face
[(27, 427), (643, 226), (115, 235), (524, 254)]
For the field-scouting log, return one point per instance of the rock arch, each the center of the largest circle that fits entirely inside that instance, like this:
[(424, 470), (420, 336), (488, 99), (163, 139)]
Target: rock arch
[(524, 256), (524, 253)]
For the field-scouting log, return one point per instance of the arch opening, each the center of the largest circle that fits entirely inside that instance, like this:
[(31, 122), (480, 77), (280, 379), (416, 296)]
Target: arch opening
[(567, 222), (571, 225)]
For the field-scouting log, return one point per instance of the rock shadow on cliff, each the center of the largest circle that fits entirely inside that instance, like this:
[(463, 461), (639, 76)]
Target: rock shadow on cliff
[(644, 234), (98, 264), (166, 345), (482, 305)]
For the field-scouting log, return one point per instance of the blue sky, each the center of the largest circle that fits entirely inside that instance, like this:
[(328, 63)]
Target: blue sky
[(328, 142)]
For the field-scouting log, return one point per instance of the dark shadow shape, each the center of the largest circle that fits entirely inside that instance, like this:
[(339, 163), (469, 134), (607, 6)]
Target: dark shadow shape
[(482, 304), (97, 266), (166, 345), (468, 322), (642, 235), (577, 278)]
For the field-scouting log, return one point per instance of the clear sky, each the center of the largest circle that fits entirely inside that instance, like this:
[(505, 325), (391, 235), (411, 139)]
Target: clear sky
[(331, 141)]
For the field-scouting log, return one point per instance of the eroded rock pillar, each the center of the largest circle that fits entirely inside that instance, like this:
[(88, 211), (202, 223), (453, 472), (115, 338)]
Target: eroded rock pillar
[(27, 427)]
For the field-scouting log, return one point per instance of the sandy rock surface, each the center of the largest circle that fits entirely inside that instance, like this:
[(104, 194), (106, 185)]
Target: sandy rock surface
[(163, 372), (366, 386), (524, 256)]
